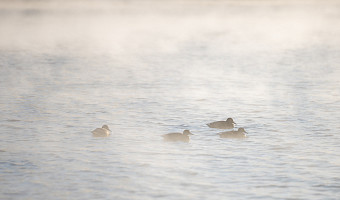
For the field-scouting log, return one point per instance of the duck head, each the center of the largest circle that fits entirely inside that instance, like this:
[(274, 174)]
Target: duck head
[(230, 120), (106, 127), (187, 132), (241, 130)]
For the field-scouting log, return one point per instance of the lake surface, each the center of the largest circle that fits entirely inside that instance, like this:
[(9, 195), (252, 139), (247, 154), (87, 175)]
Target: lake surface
[(147, 68)]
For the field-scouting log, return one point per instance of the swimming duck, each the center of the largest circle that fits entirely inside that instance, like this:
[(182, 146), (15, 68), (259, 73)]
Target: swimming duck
[(240, 133), (177, 137), (101, 132), (228, 124)]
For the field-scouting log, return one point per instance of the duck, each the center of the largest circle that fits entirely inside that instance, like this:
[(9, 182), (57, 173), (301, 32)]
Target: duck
[(104, 131), (177, 137), (228, 124), (240, 133)]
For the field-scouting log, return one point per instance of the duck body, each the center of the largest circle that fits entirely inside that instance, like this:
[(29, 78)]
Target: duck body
[(177, 137), (240, 133), (104, 131), (228, 124)]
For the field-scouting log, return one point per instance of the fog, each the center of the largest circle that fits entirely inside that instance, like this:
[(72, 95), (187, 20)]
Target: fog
[(148, 68), (145, 27)]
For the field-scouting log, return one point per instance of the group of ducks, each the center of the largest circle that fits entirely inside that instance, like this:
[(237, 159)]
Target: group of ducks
[(184, 137)]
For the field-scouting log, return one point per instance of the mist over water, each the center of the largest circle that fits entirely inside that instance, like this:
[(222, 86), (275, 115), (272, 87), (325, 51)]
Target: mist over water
[(147, 68)]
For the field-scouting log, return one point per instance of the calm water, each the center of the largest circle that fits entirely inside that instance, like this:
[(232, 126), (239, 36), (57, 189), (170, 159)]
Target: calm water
[(149, 68)]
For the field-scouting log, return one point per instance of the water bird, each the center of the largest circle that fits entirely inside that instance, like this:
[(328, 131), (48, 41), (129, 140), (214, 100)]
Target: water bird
[(228, 124), (177, 137), (240, 133), (104, 131)]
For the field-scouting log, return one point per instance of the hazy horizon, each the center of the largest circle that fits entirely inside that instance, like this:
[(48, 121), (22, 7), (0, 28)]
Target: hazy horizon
[(148, 68)]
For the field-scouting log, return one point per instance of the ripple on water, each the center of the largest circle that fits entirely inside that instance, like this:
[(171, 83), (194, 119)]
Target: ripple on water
[(167, 79)]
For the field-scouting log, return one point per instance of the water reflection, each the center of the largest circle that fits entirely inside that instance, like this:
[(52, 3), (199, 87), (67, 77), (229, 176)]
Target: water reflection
[(148, 68)]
